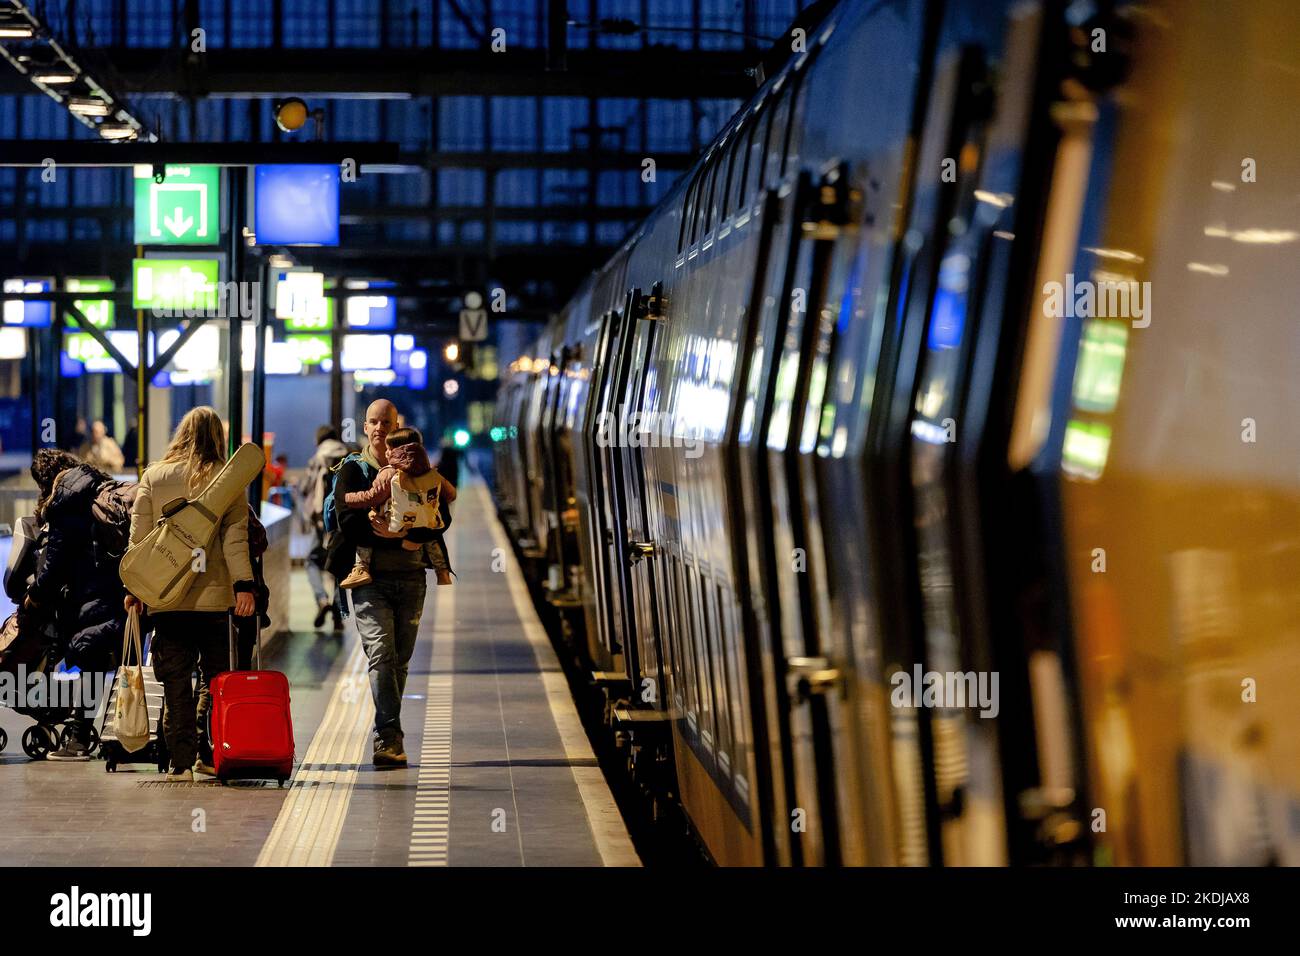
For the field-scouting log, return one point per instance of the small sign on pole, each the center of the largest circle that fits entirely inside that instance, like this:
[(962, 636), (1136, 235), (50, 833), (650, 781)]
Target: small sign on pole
[(473, 325)]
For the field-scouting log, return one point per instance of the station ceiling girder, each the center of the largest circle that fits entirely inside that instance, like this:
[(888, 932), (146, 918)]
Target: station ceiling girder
[(653, 72)]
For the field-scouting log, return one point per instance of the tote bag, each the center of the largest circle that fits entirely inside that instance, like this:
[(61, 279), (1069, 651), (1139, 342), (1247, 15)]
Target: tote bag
[(131, 710)]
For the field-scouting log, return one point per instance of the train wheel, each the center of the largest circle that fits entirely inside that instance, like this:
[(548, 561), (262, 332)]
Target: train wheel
[(4, 739)]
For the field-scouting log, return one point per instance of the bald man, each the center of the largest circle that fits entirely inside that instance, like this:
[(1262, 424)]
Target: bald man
[(387, 610)]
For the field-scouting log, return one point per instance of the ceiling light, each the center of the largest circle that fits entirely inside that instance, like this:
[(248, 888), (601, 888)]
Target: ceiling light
[(16, 30), (55, 76), (117, 131), (88, 106)]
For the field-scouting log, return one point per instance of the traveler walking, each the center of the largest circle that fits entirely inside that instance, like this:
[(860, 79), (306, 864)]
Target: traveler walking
[(102, 451), (388, 609), (313, 488), (195, 631)]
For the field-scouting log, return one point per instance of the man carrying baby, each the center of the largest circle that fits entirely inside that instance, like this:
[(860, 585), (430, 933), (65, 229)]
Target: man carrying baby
[(388, 609), (405, 494)]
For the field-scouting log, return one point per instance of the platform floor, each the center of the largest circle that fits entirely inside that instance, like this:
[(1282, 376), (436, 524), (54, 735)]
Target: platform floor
[(501, 773)]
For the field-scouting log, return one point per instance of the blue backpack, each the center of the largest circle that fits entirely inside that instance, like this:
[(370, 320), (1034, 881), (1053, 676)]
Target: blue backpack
[(330, 510)]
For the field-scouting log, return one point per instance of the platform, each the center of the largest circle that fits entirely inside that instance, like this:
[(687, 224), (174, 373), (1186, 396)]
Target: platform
[(501, 772)]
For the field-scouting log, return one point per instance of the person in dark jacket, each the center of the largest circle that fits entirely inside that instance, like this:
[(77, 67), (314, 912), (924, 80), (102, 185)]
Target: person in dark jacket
[(74, 583), (387, 611)]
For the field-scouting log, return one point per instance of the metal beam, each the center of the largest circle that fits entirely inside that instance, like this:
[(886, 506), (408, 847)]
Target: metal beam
[(656, 72), (128, 368), (89, 153)]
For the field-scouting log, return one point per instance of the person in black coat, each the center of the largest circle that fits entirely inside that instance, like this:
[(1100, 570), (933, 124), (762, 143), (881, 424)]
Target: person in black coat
[(75, 584)]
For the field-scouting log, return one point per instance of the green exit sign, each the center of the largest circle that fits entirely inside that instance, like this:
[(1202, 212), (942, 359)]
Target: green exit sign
[(174, 284), (99, 312), (182, 210)]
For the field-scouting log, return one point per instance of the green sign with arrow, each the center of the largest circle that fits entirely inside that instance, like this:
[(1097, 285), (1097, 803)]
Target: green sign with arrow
[(182, 210)]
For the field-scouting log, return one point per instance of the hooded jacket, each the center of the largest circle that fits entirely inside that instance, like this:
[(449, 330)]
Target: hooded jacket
[(90, 613), (228, 568)]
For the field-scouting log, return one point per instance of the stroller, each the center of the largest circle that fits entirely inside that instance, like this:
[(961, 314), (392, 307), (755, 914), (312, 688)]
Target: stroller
[(29, 646)]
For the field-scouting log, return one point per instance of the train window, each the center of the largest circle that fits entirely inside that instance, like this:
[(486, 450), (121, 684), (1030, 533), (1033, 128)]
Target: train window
[(757, 144), (689, 659), (688, 209), (708, 197), (724, 178), (740, 166), (776, 139), (794, 131), (722, 673)]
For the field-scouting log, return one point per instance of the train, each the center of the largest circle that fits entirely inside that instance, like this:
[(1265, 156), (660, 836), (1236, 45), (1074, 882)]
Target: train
[(921, 479)]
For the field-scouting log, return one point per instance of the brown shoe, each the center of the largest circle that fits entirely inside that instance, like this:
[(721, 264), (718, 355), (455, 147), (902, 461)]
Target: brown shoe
[(360, 575), (390, 753)]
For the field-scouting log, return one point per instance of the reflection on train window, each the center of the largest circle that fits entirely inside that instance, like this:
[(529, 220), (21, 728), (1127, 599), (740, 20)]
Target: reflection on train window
[(1086, 448), (1101, 366)]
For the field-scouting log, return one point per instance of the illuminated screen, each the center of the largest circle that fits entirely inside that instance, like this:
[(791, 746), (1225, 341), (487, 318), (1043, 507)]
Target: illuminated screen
[(296, 205), (367, 352)]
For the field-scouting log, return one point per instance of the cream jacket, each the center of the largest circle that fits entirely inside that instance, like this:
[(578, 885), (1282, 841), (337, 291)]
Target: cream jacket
[(227, 560)]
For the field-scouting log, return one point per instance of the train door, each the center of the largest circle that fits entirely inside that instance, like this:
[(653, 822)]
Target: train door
[(812, 678), (599, 430), (772, 289), (562, 545), (640, 550)]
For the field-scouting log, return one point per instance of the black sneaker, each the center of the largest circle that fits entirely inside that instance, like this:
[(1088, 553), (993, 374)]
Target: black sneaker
[(320, 616), (74, 752)]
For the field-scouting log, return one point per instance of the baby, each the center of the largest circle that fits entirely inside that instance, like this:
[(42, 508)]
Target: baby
[(409, 492)]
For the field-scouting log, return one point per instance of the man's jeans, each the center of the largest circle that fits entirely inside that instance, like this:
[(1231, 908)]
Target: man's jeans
[(388, 618)]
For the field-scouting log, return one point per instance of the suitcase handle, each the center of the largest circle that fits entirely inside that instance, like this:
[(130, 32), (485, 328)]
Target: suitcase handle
[(234, 641)]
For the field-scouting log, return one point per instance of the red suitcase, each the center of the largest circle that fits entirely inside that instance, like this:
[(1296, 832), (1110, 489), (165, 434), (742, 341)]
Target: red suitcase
[(252, 727)]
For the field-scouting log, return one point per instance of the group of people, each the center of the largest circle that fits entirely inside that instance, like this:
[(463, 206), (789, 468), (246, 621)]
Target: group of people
[(391, 507)]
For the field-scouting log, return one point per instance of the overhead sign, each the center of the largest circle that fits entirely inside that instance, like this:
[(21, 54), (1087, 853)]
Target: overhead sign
[(182, 210), (473, 325), (371, 313), (300, 301), (174, 284), (82, 347), (367, 351), (98, 312), (28, 313), (296, 205), (309, 349)]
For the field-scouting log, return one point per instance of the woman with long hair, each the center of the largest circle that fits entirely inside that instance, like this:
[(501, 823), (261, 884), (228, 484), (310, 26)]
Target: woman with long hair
[(196, 630)]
